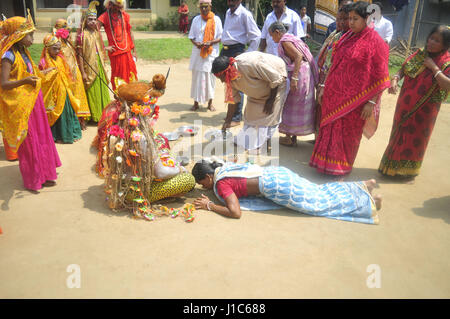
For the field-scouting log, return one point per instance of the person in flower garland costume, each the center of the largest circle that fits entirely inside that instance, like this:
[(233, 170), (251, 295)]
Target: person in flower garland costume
[(133, 158)]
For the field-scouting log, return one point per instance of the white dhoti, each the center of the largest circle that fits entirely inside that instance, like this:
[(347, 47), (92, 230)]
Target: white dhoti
[(203, 81), (203, 85)]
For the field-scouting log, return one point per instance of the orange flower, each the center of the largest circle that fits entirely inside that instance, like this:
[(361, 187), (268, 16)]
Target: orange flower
[(136, 108)]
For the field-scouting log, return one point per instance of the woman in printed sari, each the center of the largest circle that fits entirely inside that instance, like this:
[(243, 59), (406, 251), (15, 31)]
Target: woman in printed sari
[(183, 23), (23, 121), (324, 57), (61, 104), (70, 56), (298, 109), (426, 85), (238, 185), (91, 58), (350, 104)]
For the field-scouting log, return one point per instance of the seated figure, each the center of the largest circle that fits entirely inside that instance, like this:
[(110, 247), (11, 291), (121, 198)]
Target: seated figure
[(133, 158)]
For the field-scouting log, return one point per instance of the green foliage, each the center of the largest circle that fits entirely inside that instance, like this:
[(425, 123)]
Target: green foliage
[(168, 24), (160, 24), (142, 28), (35, 52), (164, 49), (172, 21), (395, 63)]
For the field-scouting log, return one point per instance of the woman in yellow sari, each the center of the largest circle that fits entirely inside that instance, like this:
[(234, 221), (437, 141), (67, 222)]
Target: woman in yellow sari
[(23, 121), (69, 54), (61, 104)]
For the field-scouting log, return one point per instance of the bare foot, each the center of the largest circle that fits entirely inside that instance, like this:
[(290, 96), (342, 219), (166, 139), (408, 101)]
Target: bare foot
[(233, 123), (82, 124), (211, 108), (378, 199), (371, 184), (195, 107)]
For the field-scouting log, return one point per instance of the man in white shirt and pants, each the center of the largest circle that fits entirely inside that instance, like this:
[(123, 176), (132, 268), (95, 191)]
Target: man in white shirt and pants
[(285, 15), (384, 27), (239, 30)]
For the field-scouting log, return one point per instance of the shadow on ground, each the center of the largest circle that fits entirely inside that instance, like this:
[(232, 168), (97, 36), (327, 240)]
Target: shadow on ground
[(10, 176), (435, 208)]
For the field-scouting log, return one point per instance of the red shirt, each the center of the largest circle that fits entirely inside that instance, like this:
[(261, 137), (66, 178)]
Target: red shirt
[(123, 41), (230, 185)]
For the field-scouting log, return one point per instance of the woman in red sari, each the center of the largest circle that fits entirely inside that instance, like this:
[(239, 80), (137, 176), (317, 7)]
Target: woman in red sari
[(426, 85), (350, 104), (183, 11)]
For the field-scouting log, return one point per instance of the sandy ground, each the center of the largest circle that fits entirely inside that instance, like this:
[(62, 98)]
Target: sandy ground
[(275, 254)]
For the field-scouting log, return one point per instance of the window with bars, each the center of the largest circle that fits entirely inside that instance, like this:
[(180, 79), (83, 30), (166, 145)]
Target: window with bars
[(175, 3)]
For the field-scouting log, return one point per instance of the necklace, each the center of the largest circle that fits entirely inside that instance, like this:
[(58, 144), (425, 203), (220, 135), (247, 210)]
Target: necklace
[(113, 34)]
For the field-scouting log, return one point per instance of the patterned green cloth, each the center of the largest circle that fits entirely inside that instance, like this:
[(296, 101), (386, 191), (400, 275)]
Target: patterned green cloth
[(67, 128), (98, 94)]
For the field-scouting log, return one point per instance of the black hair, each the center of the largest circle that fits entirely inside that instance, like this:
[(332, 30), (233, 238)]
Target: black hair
[(220, 63), (301, 7), (345, 8), (203, 168), (360, 8), (445, 32), (277, 25)]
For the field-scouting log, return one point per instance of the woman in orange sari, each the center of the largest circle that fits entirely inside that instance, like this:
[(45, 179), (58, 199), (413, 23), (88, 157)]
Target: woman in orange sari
[(426, 85), (350, 104), (23, 121)]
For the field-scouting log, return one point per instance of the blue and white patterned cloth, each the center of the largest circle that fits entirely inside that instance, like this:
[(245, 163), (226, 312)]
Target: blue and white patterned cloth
[(347, 201), (280, 187)]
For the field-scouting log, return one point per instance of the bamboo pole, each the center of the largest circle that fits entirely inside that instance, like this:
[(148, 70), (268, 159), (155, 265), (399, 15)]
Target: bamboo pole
[(411, 28)]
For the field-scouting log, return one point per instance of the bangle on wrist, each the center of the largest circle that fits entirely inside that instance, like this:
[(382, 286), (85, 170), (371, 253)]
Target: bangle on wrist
[(396, 77), (294, 78), (207, 205), (437, 73), (372, 102), (321, 85)]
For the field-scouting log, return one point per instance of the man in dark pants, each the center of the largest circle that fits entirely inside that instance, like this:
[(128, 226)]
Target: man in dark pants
[(239, 29)]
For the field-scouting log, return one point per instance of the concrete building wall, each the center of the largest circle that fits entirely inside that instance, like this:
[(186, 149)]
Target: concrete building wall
[(46, 17)]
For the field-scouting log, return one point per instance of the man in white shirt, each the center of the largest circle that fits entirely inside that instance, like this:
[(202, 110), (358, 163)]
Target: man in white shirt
[(306, 20), (239, 30), (384, 26), (285, 15)]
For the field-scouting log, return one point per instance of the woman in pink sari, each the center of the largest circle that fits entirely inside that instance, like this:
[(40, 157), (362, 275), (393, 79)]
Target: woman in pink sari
[(350, 104), (298, 110)]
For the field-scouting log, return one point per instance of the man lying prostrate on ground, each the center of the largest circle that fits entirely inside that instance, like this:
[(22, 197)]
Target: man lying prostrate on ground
[(262, 77)]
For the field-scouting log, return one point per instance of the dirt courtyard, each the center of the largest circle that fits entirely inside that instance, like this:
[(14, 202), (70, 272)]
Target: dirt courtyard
[(274, 254)]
